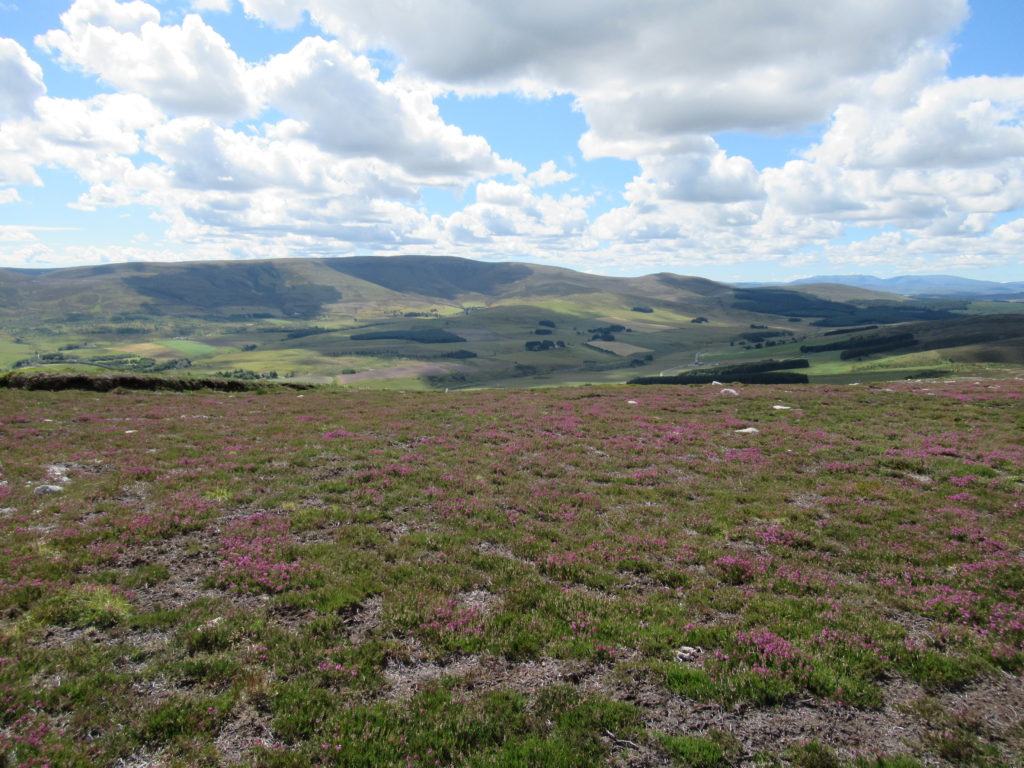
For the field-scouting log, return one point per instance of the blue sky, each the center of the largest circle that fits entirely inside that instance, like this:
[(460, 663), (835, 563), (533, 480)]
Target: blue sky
[(734, 139)]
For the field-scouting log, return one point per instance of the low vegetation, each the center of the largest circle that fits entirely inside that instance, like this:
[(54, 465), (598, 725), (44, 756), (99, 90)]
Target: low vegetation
[(760, 372), (229, 381), (665, 576), (424, 336)]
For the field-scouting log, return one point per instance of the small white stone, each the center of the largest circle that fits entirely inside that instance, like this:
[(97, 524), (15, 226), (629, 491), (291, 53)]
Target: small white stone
[(747, 431), (689, 653), (40, 490)]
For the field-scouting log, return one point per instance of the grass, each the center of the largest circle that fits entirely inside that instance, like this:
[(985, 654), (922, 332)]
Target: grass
[(11, 352), (190, 348), (619, 348), (566, 577)]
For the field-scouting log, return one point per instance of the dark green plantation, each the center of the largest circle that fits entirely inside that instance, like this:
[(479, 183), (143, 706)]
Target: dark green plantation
[(791, 575)]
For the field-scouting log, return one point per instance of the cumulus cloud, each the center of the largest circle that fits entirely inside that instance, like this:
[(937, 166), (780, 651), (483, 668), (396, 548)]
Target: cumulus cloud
[(239, 190), (88, 136), (514, 213), (21, 81), (211, 5), (548, 174), (199, 154), (965, 123), (932, 158), (649, 68), (109, 123), (184, 69), (273, 11), (338, 102), (345, 152), (945, 163), (343, 165), (695, 177)]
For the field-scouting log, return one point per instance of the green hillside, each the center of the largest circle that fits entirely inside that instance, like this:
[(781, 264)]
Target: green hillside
[(396, 321)]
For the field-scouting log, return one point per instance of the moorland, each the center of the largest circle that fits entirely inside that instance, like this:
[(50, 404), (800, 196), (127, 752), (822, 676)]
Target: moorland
[(699, 576)]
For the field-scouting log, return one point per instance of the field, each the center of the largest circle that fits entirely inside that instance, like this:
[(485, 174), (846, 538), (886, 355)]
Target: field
[(619, 348), (812, 576)]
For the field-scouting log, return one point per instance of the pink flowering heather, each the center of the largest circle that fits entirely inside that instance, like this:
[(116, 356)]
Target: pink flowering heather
[(255, 554)]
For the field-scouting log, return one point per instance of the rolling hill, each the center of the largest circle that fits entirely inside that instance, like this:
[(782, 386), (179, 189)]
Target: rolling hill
[(414, 321), (923, 285)]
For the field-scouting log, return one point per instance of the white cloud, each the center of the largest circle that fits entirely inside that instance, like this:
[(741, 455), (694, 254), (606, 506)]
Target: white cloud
[(108, 123), (936, 160), (512, 217), (649, 68), (90, 137), (41, 255), (224, 6), (338, 102), (280, 14), (548, 174), (215, 185), (346, 153), (902, 254), (184, 69), (965, 123), (342, 168), (198, 154), (946, 162), (702, 177), (21, 81), (15, 233)]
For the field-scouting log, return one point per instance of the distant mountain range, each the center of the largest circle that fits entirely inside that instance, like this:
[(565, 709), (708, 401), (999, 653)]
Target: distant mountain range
[(915, 285)]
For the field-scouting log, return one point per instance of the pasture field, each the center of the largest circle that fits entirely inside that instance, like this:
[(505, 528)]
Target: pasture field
[(811, 576), (619, 348), (11, 352), (190, 348)]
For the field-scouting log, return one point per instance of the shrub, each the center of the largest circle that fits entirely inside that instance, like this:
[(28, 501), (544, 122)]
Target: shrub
[(424, 336)]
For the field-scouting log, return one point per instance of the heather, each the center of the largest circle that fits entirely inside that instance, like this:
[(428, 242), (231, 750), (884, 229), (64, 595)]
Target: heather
[(659, 575)]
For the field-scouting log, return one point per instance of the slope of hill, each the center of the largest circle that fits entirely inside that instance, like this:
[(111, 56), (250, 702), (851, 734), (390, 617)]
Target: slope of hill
[(922, 285), (376, 321), (841, 292)]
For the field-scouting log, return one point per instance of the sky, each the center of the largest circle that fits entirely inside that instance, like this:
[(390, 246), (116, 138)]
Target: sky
[(740, 140)]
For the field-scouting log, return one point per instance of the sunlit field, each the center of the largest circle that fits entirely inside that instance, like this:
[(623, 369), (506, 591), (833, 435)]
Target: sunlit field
[(694, 576)]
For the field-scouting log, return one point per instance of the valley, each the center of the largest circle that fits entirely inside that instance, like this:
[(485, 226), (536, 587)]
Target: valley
[(438, 322)]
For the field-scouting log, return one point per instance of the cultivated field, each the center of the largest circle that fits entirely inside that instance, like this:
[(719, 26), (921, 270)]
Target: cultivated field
[(811, 576)]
